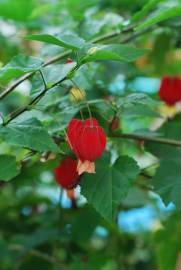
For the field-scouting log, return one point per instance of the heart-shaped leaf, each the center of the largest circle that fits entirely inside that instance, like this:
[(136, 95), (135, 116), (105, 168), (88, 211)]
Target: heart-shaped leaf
[(30, 134), (110, 185)]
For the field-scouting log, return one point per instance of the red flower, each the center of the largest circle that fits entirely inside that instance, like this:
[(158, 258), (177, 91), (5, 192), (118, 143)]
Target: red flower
[(170, 90), (86, 138), (66, 173)]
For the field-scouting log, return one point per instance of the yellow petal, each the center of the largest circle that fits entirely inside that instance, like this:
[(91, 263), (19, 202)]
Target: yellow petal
[(168, 111)]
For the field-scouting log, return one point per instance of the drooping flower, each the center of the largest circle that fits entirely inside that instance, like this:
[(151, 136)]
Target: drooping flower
[(66, 173), (86, 138), (170, 90)]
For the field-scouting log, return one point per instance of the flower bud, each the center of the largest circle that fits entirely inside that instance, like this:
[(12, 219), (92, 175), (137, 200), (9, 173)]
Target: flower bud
[(77, 94)]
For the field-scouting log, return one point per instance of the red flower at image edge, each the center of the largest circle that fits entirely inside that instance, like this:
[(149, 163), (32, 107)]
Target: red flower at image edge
[(66, 173), (86, 139), (170, 90)]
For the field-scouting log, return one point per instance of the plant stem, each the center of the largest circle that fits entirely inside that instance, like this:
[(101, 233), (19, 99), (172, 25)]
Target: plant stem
[(147, 138), (33, 101), (135, 35), (43, 79)]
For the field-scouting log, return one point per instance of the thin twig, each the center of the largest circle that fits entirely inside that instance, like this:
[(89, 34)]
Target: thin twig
[(33, 101), (43, 79), (147, 138), (137, 34)]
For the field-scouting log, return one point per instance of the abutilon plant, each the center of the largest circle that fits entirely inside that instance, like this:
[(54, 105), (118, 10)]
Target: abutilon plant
[(170, 90), (66, 173)]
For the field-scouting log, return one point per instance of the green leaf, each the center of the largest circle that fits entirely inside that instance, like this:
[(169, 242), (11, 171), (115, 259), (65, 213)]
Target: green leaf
[(8, 167), (66, 41), (52, 74), (79, 265), (114, 52), (86, 221), (29, 134), (33, 172), (40, 11), (17, 10), (77, 8), (39, 237), (110, 185), (136, 197), (167, 180), (57, 73), (18, 66), (135, 110), (167, 243), (162, 15), (159, 53), (136, 99), (145, 10)]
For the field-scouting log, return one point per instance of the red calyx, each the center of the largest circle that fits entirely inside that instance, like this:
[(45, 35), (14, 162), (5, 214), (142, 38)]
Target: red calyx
[(86, 138), (66, 173), (170, 90)]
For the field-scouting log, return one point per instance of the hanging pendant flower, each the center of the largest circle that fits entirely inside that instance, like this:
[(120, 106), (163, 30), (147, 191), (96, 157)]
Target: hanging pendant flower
[(87, 140)]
